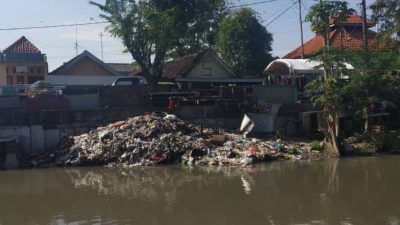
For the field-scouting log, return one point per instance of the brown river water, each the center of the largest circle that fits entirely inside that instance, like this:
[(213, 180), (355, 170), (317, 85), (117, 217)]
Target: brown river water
[(343, 191)]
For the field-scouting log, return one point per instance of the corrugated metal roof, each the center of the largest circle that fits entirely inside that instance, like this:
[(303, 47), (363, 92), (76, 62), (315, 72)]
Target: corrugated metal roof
[(298, 66)]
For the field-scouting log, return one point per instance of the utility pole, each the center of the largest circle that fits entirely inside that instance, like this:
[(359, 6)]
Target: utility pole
[(366, 58), (364, 24), (76, 37), (101, 45), (301, 31)]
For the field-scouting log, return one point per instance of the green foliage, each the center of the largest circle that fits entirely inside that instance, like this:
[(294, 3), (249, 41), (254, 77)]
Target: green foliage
[(387, 12), (321, 16), (336, 68), (196, 23), (315, 146), (325, 90), (325, 13), (143, 27), (152, 30), (378, 81), (244, 43), (293, 150), (375, 76)]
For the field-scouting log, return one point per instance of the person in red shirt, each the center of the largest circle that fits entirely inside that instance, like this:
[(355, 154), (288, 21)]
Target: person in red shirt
[(171, 105)]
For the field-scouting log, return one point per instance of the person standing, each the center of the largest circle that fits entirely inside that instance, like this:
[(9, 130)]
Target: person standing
[(171, 105)]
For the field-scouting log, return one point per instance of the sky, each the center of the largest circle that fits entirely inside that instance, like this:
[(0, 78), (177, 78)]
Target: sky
[(58, 43)]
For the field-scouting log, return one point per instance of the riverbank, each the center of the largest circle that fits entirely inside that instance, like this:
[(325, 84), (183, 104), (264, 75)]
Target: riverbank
[(159, 139), (374, 143)]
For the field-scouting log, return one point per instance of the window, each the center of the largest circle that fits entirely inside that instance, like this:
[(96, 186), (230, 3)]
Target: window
[(20, 80), (22, 69), (7, 70), (32, 71), (14, 70), (9, 80), (39, 70), (207, 71)]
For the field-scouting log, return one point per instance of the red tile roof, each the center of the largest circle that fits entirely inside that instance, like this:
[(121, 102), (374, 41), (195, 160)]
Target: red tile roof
[(351, 38), (354, 39), (309, 48), (22, 45), (356, 20)]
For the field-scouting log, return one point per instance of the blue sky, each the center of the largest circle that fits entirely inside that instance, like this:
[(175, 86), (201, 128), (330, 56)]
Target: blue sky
[(58, 43)]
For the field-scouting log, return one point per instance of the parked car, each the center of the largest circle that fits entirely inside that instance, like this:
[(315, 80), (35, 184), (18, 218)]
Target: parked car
[(129, 81)]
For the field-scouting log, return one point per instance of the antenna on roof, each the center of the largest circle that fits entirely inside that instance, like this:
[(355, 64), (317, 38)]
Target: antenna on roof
[(101, 45), (76, 37)]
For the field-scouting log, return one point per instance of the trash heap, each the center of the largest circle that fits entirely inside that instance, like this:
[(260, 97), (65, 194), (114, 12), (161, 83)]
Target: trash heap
[(155, 139), (40, 89)]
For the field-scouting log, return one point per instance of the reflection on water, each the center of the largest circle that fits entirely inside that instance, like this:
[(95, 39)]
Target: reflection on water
[(346, 191)]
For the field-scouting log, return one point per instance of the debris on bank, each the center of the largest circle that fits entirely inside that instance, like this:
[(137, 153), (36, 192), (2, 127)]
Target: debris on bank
[(374, 143), (157, 139)]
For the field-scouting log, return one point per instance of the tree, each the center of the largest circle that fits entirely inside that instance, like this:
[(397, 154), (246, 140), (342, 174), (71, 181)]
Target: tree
[(196, 25), (321, 16), (244, 43), (153, 30), (373, 77), (387, 12)]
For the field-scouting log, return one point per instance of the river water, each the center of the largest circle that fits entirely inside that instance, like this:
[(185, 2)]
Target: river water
[(346, 191)]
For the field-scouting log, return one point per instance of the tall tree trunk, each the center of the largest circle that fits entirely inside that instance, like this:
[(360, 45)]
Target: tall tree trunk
[(331, 113), (366, 121), (151, 80), (331, 139)]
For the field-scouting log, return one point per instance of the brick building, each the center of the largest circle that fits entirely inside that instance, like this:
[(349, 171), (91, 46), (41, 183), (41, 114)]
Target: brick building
[(22, 63)]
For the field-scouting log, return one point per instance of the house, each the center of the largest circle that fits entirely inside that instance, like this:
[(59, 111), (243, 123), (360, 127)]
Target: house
[(127, 69), (22, 63), (348, 35), (297, 72), (85, 64), (84, 69), (202, 71)]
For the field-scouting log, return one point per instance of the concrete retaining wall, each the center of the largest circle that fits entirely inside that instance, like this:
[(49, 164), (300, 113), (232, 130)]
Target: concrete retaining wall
[(276, 94), (124, 96), (35, 139), (11, 102), (84, 101)]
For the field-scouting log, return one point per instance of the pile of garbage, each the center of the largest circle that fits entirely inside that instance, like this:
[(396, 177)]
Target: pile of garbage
[(156, 139), (40, 89)]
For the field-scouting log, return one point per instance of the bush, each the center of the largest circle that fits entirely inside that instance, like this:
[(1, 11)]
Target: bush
[(293, 150), (315, 146)]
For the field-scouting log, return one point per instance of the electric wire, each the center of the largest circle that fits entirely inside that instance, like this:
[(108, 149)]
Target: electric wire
[(52, 26), (250, 4), (281, 14)]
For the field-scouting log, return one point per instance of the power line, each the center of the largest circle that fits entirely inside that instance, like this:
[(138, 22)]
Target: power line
[(280, 14), (249, 4), (52, 26), (104, 22)]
